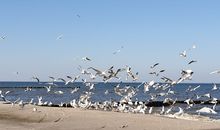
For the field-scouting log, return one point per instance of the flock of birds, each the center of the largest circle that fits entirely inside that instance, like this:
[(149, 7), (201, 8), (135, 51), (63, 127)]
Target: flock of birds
[(127, 93)]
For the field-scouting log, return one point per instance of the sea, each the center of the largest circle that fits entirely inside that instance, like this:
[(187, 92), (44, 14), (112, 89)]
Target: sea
[(17, 91)]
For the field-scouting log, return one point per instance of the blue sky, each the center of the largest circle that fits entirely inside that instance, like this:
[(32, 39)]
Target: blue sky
[(150, 31)]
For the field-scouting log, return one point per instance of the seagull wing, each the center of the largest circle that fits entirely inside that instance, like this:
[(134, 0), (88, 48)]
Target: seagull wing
[(96, 70)]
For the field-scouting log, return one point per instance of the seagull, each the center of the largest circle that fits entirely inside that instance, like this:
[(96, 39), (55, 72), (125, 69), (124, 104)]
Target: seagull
[(189, 102), (3, 96), (119, 50), (214, 87), (161, 71), (3, 37), (71, 79), (75, 90), (36, 79), (62, 80), (40, 103), (215, 72), (186, 75), (48, 88), (214, 101), (21, 104), (60, 37), (150, 110), (90, 85), (194, 47), (52, 78), (92, 76), (83, 71), (180, 112), (130, 74), (192, 61), (207, 95), (106, 92), (206, 110), (192, 89), (169, 110), (162, 110), (98, 72), (34, 109), (116, 52), (78, 15), (148, 85), (183, 54), (86, 59), (59, 92), (27, 89), (168, 80), (112, 74), (14, 102), (154, 65), (153, 73)]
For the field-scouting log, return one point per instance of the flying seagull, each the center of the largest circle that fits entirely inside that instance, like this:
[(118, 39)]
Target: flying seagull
[(192, 61), (86, 59), (215, 72), (3, 37), (154, 65), (119, 50), (36, 79), (60, 37), (183, 54), (194, 46)]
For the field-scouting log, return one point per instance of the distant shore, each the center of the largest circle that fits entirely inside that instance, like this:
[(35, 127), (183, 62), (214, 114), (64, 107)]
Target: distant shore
[(51, 118)]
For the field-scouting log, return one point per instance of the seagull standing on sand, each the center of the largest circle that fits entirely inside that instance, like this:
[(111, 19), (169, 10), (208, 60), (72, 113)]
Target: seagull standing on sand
[(21, 104), (150, 110)]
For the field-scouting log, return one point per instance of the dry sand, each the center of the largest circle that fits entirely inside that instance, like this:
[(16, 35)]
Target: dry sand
[(48, 118)]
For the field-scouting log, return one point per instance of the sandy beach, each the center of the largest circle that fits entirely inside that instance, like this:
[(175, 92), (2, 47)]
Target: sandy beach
[(51, 118)]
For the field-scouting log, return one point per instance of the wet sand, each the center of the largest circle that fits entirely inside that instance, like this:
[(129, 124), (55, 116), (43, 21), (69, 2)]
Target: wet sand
[(51, 118)]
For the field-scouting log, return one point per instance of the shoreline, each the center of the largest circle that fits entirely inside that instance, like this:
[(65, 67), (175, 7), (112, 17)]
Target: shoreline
[(55, 118)]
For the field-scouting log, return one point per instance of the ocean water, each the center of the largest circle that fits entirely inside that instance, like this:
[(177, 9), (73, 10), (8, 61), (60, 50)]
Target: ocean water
[(17, 90)]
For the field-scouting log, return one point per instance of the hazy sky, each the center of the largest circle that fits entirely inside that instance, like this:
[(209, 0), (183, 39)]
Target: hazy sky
[(49, 38)]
